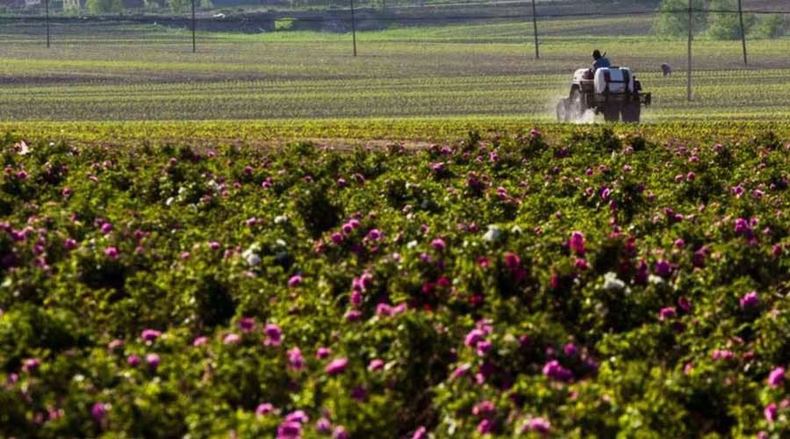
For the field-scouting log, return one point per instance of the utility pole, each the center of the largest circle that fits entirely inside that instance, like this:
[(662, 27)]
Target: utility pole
[(47, 20), (688, 66), (743, 32), (353, 28), (535, 28), (194, 40)]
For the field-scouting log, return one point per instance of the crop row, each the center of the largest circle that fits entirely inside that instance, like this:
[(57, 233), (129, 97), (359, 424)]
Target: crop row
[(759, 95), (354, 132)]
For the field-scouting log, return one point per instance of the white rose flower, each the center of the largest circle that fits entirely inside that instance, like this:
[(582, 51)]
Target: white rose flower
[(251, 256), (612, 283), (493, 234)]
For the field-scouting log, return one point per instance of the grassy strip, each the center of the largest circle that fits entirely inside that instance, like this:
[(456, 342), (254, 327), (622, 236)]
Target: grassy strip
[(395, 130)]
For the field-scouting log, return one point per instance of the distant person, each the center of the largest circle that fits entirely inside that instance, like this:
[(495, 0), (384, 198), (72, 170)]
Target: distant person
[(666, 69), (601, 61)]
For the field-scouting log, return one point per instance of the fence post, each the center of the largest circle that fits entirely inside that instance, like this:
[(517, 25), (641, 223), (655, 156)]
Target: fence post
[(353, 28), (46, 3), (535, 29), (194, 39), (743, 32), (688, 65)]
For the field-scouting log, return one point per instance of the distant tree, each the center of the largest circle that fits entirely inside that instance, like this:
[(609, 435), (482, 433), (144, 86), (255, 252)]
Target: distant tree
[(771, 26), (672, 20), (71, 7), (153, 5), (643, 2), (179, 6), (98, 7), (727, 26)]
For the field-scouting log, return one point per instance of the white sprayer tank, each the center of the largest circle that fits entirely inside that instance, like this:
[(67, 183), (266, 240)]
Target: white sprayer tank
[(619, 80)]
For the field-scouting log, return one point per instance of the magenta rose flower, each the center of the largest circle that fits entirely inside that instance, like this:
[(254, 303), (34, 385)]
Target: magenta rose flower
[(112, 253), (150, 334), (295, 359), (750, 300), (336, 366), (776, 377), (438, 244), (538, 425), (576, 243), (273, 335), (99, 411), (153, 361), (264, 409), (555, 371)]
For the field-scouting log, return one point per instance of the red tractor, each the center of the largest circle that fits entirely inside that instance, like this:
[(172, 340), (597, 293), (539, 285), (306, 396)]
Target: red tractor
[(613, 91)]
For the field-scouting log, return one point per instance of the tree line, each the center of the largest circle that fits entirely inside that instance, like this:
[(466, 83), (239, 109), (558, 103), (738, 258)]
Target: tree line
[(715, 25)]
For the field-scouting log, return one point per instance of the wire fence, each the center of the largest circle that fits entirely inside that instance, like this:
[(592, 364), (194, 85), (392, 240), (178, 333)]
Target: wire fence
[(347, 18)]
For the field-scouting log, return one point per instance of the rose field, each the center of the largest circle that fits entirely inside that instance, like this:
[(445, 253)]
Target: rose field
[(522, 282)]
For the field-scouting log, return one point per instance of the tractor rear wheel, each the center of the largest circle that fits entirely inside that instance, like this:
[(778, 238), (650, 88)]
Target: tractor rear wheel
[(631, 112), (611, 114)]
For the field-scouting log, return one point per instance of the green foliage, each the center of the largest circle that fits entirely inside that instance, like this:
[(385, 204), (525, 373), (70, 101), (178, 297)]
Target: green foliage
[(153, 5), (71, 7), (317, 210), (98, 7), (676, 24), (179, 6), (771, 26), (284, 24), (152, 279), (727, 26)]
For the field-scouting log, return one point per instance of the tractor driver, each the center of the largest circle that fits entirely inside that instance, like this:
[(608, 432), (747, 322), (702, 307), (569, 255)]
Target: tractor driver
[(600, 61)]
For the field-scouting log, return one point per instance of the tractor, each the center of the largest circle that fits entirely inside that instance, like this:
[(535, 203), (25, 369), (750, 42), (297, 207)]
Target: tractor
[(613, 91)]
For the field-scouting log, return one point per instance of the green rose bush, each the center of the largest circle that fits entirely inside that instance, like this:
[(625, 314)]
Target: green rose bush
[(504, 285)]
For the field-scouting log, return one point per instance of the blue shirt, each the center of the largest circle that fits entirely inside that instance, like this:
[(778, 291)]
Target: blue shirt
[(601, 62)]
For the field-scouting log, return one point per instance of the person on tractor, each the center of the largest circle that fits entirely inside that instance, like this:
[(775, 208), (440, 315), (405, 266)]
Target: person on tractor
[(600, 60)]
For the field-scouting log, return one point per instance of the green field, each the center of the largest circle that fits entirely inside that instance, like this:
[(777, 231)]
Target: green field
[(344, 133), (465, 71)]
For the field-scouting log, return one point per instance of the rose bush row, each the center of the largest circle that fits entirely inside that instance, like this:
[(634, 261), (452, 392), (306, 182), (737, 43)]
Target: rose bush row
[(498, 285)]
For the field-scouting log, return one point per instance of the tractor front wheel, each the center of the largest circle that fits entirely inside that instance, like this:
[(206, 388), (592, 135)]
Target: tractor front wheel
[(562, 111), (575, 105)]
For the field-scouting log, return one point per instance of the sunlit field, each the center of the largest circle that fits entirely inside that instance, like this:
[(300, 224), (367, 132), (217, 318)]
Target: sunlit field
[(149, 72)]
